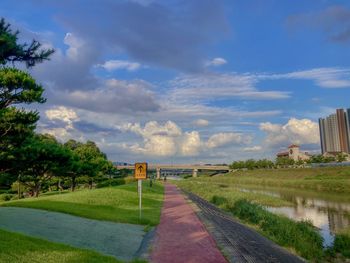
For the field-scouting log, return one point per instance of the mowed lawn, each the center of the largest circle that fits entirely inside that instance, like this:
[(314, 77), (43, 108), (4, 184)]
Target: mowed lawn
[(118, 203), (17, 248)]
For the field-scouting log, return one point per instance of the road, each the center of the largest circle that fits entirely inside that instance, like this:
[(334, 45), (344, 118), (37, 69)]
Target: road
[(239, 243)]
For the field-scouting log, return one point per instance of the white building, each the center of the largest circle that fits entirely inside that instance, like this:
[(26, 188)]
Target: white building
[(294, 153)]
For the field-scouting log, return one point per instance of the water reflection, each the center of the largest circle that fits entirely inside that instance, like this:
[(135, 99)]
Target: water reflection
[(329, 216)]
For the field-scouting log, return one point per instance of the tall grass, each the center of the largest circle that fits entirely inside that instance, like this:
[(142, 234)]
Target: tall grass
[(300, 236)]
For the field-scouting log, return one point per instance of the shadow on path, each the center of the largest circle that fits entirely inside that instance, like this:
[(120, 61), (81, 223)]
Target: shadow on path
[(120, 240)]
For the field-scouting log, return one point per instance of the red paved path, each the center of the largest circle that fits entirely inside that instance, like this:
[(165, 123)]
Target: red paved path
[(180, 236)]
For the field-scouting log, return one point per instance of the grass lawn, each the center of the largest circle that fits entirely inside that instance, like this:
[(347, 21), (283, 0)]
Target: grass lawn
[(17, 248), (118, 203)]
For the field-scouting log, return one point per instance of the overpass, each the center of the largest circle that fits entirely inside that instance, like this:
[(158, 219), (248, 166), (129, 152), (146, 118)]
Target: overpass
[(194, 167)]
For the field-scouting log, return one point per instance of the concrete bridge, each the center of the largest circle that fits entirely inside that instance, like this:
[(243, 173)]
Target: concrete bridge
[(194, 167)]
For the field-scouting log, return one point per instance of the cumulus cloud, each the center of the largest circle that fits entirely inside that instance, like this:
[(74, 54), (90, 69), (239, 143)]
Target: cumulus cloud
[(300, 131), (334, 21), (215, 62), (112, 65), (169, 140), (64, 114)]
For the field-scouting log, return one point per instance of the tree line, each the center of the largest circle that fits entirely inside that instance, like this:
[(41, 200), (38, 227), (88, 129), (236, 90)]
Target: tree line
[(251, 164), (30, 159)]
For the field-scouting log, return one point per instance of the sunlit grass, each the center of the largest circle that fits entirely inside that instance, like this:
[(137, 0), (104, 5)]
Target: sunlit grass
[(118, 204)]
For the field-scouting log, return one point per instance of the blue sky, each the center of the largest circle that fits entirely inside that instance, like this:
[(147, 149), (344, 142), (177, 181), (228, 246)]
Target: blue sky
[(188, 81)]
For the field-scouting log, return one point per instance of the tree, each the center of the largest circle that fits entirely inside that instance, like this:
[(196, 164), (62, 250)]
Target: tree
[(11, 51), (17, 87), (75, 166), (284, 161), (93, 161), (39, 159)]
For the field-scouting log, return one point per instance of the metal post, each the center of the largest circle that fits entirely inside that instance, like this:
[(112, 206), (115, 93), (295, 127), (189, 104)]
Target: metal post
[(139, 184)]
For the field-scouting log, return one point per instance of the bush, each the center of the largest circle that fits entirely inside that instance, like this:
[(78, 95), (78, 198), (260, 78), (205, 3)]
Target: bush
[(342, 245), (112, 182), (219, 200), (6, 197)]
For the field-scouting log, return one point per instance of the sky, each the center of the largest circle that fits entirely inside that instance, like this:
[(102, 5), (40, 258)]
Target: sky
[(193, 81)]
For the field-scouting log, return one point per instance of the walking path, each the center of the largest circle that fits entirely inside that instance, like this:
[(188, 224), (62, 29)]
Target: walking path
[(180, 236)]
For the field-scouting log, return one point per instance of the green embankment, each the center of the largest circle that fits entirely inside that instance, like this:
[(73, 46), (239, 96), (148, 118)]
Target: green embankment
[(118, 204), (17, 248), (326, 179)]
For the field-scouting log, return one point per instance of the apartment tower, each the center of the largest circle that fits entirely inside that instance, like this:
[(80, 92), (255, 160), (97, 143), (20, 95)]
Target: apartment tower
[(334, 132)]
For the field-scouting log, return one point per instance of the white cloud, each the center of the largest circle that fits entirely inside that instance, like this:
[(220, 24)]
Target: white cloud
[(221, 139), (211, 86), (256, 148), (190, 144), (303, 131), (216, 62), (74, 44), (62, 113), (169, 140), (111, 65), (323, 77), (201, 122)]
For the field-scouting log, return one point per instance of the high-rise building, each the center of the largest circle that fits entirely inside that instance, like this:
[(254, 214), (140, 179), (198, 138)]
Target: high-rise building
[(334, 132)]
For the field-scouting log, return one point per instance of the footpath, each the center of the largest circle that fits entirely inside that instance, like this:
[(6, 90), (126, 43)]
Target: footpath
[(181, 236)]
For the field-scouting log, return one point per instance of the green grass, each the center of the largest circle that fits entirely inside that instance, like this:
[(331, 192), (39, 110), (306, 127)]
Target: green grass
[(300, 236), (118, 204), (17, 248), (209, 188)]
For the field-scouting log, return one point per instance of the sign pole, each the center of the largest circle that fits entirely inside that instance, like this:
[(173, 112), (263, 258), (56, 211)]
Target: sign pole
[(140, 173), (139, 182)]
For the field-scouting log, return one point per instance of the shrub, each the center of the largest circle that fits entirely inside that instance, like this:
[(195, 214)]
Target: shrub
[(6, 197), (112, 182), (342, 245), (218, 200)]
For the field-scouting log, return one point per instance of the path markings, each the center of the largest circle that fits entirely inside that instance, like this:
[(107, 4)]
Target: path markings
[(140, 174)]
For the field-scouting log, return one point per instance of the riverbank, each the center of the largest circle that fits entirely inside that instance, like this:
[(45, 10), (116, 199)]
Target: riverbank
[(245, 195)]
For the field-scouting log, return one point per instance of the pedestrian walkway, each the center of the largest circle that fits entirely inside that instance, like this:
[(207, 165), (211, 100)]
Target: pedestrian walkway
[(181, 236)]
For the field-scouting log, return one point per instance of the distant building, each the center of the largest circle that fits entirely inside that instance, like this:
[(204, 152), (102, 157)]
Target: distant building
[(334, 132), (294, 153)]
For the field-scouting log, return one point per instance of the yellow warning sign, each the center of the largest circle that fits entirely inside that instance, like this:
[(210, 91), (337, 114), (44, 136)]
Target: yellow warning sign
[(140, 171)]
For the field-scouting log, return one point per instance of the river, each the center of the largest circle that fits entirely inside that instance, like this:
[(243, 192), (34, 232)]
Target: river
[(330, 213)]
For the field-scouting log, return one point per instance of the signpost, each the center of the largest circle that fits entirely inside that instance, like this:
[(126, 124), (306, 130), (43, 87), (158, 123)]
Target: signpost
[(140, 173)]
